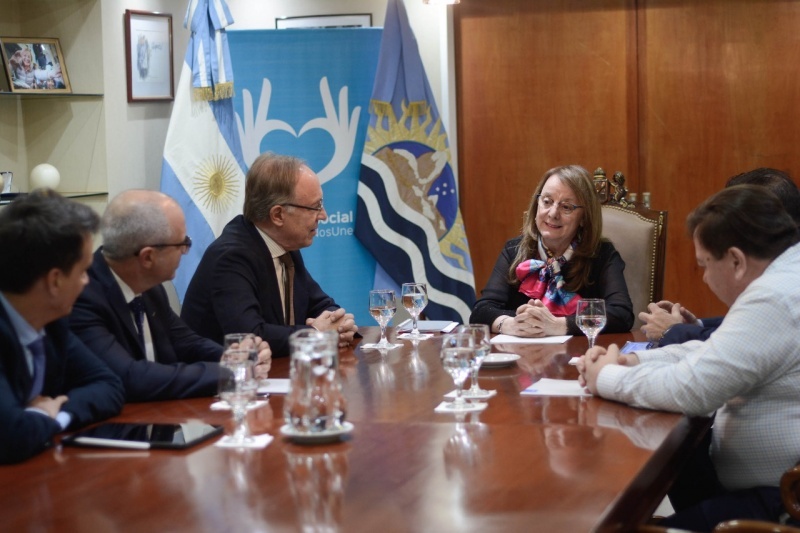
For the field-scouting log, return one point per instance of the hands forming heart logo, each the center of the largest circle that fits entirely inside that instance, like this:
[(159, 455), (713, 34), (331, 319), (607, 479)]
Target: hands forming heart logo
[(342, 126)]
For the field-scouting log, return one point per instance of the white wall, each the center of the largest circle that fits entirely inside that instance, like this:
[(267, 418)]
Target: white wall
[(136, 132)]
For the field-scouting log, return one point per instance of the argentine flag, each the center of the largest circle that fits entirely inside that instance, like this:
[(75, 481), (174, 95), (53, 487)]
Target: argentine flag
[(203, 167)]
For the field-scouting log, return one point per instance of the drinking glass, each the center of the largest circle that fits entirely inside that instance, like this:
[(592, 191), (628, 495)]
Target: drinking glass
[(237, 387), (458, 356), (480, 335), (241, 342), (382, 307), (415, 298), (591, 317)]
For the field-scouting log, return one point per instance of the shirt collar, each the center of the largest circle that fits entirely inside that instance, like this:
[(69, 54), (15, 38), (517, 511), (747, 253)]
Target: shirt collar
[(25, 332), (127, 292), (275, 249)]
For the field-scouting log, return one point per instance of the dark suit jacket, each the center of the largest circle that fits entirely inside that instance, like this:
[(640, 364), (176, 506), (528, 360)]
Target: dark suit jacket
[(680, 333), (94, 392), (235, 290), (185, 365), (501, 298)]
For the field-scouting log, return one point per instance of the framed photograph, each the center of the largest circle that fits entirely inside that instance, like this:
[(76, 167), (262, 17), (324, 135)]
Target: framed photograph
[(360, 20), (34, 65), (148, 56)]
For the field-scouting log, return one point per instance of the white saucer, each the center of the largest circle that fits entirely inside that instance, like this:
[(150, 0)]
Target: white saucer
[(498, 360), (320, 437)]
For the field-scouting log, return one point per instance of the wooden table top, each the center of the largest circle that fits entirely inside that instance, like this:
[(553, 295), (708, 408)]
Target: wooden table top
[(555, 464)]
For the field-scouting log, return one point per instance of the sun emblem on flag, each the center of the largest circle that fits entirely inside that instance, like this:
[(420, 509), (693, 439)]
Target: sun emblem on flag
[(215, 183)]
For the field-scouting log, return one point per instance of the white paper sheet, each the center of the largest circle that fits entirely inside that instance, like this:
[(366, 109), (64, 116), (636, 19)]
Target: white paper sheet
[(273, 386), (555, 387), (510, 339)]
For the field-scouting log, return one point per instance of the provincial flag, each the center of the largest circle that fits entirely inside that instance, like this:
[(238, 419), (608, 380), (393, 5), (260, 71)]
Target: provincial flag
[(203, 166), (407, 214)]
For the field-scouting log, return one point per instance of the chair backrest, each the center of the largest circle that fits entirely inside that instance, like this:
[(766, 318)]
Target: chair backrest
[(640, 236)]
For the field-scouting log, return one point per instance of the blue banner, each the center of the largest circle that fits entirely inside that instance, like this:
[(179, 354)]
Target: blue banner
[(306, 93)]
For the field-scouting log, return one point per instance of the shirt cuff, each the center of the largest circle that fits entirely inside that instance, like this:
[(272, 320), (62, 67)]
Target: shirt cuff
[(608, 378), (64, 419)]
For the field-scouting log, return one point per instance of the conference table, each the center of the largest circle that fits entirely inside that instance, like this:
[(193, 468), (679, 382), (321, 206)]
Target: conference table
[(525, 463)]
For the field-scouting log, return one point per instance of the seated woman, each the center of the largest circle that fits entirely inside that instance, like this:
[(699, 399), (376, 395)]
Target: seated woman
[(558, 260)]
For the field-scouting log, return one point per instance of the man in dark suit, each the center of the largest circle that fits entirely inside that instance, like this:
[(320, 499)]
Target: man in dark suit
[(49, 380), (252, 278), (157, 356)]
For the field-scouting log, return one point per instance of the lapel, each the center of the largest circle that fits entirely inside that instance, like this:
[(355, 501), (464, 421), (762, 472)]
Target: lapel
[(13, 358), (264, 257), (117, 303)]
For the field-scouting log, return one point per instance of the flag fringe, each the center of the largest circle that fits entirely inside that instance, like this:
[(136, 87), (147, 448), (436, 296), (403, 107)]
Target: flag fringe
[(219, 92)]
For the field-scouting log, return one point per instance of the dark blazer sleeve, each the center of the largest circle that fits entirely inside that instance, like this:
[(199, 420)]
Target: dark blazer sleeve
[(499, 297), (680, 333), (101, 319), (608, 282), (94, 392)]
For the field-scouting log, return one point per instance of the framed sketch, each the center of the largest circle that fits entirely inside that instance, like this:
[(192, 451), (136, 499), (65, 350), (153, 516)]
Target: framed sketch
[(148, 56), (360, 20), (34, 65)]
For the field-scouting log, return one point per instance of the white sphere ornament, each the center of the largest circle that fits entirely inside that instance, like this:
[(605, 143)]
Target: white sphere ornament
[(45, 176)]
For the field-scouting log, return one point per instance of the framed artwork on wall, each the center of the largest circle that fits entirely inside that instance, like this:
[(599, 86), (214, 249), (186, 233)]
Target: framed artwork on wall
[(34, 65), (359, 20), (148, 56)]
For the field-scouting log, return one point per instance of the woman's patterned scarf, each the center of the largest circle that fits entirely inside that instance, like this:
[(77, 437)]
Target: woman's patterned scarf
[(542, 280)]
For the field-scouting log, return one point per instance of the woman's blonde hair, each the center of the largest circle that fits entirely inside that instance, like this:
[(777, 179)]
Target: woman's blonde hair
[(589, 233)]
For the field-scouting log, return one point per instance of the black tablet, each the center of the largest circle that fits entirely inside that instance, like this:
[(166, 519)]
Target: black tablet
[(144, 436)]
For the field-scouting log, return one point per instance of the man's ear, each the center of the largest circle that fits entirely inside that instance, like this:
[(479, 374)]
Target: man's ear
[(276, 215), (53, 280), (738, 261), (146, 257)]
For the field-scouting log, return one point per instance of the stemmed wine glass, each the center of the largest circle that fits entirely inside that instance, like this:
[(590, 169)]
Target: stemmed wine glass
[(591, 317), (415, 298), (237, 387), (382, 307), (480, 334), (458, 356)]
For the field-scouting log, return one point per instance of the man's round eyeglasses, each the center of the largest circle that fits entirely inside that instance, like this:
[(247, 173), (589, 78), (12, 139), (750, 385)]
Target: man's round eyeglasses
[(319, 207), (566, 209), (186, 244)]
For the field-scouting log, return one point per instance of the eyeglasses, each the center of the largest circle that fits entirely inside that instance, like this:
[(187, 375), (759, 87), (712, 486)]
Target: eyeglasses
[(187, 243), (319, 207), (566, 209)]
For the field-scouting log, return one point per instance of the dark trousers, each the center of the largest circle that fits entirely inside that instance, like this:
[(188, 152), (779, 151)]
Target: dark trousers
[(701, 502)]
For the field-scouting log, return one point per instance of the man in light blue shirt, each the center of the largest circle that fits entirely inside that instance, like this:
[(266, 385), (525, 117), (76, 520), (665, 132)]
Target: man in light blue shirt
[(49, 380)]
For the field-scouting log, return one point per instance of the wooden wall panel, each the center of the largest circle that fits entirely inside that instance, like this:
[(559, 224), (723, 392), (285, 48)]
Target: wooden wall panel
[(677, 94), (540, 84), (719, 86)]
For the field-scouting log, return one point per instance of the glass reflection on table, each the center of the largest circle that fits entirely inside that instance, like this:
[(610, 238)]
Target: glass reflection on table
[(317, 481)]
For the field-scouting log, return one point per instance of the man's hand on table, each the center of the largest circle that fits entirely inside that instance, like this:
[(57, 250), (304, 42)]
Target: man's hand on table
[(340, 321)]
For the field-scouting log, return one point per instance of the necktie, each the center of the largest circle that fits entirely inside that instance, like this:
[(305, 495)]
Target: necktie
[(137, 308), (288, 286), (37, 350)]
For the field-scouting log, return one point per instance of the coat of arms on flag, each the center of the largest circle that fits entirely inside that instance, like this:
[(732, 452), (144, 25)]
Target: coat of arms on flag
[(408, 215)]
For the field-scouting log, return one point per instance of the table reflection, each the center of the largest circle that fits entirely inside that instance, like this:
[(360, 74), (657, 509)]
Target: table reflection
[(468, 447), (317, 481)]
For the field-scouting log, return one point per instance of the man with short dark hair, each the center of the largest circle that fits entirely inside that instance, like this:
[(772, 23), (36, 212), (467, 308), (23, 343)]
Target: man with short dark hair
[(252, 278), (49, 380), (668, 323), (147, 345), (748, 371)]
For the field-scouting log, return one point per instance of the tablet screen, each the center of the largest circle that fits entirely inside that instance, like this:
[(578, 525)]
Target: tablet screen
[(144, 436)]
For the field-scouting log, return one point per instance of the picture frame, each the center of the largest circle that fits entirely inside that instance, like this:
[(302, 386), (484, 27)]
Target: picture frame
[(35, 65), (148, 56), (355, 20)]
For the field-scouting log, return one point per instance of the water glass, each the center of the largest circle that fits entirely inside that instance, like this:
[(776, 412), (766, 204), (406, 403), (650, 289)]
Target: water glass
[(591, 317), (480, 334), (415, 299), (237, 387)]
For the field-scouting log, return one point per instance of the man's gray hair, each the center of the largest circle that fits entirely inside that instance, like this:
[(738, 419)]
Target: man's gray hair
[(128, 227)]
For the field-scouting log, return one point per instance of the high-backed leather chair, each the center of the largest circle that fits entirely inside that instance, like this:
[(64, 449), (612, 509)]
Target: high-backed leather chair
[(640, 236)]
